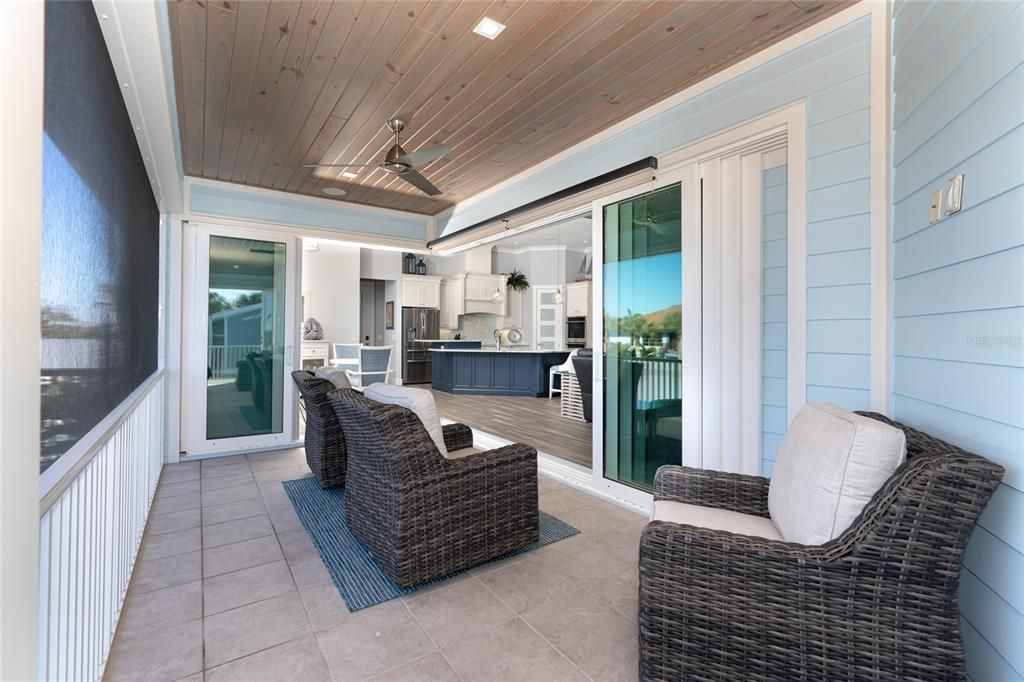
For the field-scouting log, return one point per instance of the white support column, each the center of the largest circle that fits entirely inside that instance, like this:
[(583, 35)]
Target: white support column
[(881, 210), (21, 137)]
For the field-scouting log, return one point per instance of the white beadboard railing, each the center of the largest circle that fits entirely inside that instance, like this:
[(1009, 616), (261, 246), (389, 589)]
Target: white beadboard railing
[(90, 530)]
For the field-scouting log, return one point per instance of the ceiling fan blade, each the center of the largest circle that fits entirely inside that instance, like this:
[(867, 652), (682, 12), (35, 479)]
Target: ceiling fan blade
[(419, 182), (340, 165), (425, 155)]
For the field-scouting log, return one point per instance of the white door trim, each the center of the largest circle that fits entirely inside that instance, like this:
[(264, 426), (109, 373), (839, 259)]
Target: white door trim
[(194, 335)]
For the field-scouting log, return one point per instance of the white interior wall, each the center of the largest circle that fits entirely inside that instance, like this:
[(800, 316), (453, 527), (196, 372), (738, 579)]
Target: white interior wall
[(330, 285)]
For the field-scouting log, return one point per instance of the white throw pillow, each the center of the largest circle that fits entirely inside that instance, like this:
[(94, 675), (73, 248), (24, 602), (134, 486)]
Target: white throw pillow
[(830, 464), (418, 400), (333, 375)]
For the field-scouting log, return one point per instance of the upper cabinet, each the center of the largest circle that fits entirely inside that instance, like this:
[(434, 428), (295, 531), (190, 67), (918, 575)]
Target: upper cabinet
[(453, 300), (577, 299), (421, 291), (480, 289)]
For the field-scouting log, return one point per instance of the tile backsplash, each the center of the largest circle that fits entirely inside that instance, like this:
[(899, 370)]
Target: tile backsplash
[(479, 326)]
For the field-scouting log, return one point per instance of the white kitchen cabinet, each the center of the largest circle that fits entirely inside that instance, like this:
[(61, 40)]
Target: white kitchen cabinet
[(479, 293), (453, 301), (421, 291), (577, 299), (514, 308)]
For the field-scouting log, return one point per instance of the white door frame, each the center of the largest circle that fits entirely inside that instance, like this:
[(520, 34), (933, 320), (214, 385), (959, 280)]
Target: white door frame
[(195, 317), (691, 352), (559, 314), (723, 160)]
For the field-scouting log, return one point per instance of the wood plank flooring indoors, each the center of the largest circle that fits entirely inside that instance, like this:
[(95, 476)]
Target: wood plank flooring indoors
[(534, 421)]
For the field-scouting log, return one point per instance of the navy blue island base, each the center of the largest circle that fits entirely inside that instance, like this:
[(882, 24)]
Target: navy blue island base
[(494, 372)]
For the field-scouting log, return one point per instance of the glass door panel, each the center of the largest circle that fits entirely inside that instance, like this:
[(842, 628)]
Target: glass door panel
[(246, 338), (642, 303), (239, 304)]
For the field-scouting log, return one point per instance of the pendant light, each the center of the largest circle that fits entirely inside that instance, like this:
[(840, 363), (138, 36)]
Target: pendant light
[(561, 264), (498, 296)]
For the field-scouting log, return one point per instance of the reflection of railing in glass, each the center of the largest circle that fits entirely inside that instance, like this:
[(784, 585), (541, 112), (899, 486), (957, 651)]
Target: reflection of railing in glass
[(223, 360)]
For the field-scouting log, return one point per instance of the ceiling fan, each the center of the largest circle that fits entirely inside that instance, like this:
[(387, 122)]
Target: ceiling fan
[(398, 162)]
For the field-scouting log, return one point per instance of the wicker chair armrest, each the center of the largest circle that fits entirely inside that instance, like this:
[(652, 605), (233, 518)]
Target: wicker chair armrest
[(718, 489), (515, 454), (457, 436)]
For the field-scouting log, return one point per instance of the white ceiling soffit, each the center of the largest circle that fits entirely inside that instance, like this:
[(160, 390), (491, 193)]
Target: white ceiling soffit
[(132, 31)]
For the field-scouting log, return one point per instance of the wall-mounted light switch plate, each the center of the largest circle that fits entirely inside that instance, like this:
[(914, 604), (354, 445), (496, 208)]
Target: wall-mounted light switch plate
[(935, 212), (954, 192)]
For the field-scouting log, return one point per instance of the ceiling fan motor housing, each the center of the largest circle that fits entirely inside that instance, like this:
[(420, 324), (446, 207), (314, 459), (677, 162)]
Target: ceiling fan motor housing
[(392, 164)]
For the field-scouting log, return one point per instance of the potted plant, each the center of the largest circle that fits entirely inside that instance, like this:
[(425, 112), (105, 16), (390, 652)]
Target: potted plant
[(517, 281)]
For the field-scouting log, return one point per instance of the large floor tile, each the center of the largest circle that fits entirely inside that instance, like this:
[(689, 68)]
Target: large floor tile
[(236, 531), (325, 606), (308, 569), (246, 491), (372, 644), (248, 629), (169, 475), (430, 668), (527, 584), (154, 574), (161, 653), (166, 505), (239, 555), (561, 500), (248, 585), (179, 520), (226, 469), (457, 611), (169, 544), (228, 481), (509, 651), (169, 489), (170, 605), (299, 660), (231, 511), (596, 569), (599, 640)]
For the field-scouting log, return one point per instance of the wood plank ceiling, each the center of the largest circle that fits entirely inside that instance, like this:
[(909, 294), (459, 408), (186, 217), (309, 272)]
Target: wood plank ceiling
[(264, 87)]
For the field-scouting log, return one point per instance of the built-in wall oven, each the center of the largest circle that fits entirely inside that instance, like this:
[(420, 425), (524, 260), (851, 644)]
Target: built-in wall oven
[(576, 332)]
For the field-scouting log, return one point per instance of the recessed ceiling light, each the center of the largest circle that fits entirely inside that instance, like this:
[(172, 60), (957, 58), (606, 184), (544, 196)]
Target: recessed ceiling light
[(349, 174), (489, 28), (334, 191)]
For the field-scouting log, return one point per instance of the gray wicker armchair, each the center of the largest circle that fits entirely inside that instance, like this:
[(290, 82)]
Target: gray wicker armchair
[(324, 440), (878, 602), (423, 516)]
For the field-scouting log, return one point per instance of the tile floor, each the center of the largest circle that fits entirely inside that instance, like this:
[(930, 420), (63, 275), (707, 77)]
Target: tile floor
[(228, 586)]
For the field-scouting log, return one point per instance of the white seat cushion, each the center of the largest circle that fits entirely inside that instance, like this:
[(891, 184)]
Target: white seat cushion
[(418, 400), (333, 375), (715, 519), (829, 465)]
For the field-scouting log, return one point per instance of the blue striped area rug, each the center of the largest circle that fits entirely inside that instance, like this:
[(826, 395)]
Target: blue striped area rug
[(360, 581)]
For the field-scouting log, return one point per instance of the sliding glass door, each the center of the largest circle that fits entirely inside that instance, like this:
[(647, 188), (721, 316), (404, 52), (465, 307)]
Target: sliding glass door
[(240, 342), (640, 407)]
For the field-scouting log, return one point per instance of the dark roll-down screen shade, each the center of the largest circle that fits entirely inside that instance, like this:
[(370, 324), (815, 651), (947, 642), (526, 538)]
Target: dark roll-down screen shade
[(100, 237)]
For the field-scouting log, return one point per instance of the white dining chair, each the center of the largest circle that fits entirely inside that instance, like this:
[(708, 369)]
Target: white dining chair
[(557, 369), (374, 366)]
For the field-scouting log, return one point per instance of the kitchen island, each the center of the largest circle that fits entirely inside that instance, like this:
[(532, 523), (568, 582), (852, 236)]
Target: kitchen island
[(489, 371)]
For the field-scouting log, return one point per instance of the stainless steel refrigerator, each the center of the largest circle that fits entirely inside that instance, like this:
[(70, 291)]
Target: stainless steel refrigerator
[(420, 326)]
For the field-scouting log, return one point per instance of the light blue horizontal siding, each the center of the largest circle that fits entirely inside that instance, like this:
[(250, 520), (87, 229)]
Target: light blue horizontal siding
[(1001, 443), (836, 168), (839, 234), (839, 336), (978, 231), (845, 267), (240, 203), (850, 398), (958, 290), (846, 302)]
